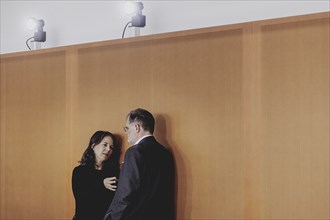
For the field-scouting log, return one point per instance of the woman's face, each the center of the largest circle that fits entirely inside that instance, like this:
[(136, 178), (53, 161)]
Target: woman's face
[(103, 150)]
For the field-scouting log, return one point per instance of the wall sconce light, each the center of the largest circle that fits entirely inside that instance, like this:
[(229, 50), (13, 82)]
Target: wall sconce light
[(138, 20), (36, 25)]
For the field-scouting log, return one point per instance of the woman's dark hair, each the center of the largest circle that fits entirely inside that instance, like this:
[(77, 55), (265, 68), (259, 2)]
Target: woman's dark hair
[(88, 157)]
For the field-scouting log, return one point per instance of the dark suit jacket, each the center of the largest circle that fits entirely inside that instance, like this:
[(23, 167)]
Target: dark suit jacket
[(146, 184)]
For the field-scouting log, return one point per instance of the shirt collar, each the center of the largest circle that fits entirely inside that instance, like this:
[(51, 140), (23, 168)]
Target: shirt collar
[(138, 141)]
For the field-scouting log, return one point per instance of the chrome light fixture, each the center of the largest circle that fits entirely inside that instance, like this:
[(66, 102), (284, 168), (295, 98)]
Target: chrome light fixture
[(138, 20), (36, 25)]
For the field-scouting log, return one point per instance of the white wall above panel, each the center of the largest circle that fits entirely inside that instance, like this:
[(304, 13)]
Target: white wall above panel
[(75, 22)]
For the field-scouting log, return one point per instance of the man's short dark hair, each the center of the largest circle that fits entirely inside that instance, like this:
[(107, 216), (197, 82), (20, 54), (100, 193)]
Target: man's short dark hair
[(144, 118)]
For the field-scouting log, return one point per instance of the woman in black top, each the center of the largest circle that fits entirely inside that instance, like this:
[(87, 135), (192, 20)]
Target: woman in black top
[(93, 181)]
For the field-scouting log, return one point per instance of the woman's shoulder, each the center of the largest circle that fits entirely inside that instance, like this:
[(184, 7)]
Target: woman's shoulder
[(81, 169)]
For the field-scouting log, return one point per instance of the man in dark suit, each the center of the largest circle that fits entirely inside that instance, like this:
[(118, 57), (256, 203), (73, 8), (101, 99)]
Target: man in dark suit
[(146, 183)]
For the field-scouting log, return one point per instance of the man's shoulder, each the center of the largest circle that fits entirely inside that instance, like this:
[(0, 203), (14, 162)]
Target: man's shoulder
[(144, 145), (151, 144), (147, 139)]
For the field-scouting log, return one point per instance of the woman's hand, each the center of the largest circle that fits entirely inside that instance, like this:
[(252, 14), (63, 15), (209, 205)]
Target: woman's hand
[(110, 182)]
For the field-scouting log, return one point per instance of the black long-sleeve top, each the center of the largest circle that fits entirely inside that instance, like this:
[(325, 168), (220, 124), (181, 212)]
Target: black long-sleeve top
[(91, 197)]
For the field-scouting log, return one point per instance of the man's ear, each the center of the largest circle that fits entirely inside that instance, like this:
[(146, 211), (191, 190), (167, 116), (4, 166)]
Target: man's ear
[(92, 146), (138, 128)]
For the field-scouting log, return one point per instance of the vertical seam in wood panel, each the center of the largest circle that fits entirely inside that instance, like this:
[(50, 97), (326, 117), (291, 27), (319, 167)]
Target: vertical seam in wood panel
[(328, 109), (151, 45), (247, 69), (71, 54), (257, 119), (251, 125), (259, 123), (2, 140)]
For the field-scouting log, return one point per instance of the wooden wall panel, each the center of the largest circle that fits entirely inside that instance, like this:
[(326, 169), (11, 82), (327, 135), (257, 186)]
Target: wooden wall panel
[(158, 76), (111, 81), (33, 159), (197, 95), (294, 59)]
